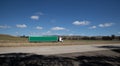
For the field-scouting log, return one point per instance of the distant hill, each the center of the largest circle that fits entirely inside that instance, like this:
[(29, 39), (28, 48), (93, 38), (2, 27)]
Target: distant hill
[(8, 38)]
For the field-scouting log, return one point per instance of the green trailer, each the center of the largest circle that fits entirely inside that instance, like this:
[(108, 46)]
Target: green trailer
[(43, 38)]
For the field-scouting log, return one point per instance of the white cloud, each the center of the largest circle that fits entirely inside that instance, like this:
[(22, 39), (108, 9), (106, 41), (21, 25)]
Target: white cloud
[(47, 33), (39, 13), (106, 25), (39, 28), (81, 23), (16, 32), (70, 34), (93, 27), (53, 21), (118, 32), (21, 26), (35, 17), (58, 28), (4, 26)]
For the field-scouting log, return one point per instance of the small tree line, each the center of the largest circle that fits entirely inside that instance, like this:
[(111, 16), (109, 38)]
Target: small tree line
[(112, 37)]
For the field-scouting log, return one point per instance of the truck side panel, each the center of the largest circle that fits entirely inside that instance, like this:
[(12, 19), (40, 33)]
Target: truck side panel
[(43, 38)]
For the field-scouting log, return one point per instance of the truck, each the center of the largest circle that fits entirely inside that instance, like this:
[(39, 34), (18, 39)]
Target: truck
[(44, 39)]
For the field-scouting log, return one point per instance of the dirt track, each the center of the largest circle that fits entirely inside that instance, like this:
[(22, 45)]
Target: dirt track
[(48, 50)]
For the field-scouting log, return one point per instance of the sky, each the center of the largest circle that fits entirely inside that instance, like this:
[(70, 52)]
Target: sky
[(60, 17)]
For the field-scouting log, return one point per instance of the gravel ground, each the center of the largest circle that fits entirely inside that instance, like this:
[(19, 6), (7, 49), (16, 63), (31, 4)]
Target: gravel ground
[(50, 50), (108, 57), (95, 58)]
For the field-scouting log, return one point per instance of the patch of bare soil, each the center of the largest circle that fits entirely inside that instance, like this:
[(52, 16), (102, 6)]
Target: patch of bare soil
[(96, 58)]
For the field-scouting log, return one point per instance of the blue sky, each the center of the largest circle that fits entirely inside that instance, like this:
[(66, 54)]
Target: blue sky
[(60, 17)]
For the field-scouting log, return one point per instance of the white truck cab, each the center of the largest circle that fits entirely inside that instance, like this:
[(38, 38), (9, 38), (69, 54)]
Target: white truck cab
[(60, 39)]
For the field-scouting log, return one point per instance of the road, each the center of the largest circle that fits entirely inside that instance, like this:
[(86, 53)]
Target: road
[(49, 50)]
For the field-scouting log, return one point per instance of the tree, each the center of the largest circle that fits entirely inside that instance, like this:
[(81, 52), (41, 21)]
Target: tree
[(106, 38), (93, 38), (113, 37)]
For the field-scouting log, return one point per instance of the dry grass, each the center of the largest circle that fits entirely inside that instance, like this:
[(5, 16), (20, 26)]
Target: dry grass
[(12, 41), (66, 42)]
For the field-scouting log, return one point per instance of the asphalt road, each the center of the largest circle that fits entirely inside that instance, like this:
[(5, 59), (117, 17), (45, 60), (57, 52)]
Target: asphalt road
[(51, 50)]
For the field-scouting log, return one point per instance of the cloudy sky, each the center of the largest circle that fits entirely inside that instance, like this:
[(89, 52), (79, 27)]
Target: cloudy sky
[(60, 17)]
